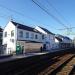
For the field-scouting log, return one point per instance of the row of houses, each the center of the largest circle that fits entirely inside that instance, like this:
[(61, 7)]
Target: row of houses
[(17, 36)]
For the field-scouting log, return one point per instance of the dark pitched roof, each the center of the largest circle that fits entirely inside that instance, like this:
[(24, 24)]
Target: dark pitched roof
[(61, 36), (46, 30), (59, 39), (67, 37), (24, 27)]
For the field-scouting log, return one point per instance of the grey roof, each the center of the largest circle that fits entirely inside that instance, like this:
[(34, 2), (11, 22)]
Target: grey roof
[(47, 30), (24, 27), (60, 36), (67, 37), (59, 39)]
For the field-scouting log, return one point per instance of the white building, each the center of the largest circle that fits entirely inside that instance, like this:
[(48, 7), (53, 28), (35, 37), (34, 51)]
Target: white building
[(48, 37), (64, 41), (31, 39), (15, 34), (57, 42)]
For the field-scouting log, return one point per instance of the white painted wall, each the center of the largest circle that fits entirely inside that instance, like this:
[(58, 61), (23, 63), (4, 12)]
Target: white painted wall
[(12, 46), (48, 38), (56, 43), (7, 40), (30, 32)]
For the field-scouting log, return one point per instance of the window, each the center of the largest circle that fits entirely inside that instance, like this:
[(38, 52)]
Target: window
[(12, 40), (43, 37), (21, 34), (5, 34), (32, 35), (27, 34), (0, 35), (36, 36), (12, 33)]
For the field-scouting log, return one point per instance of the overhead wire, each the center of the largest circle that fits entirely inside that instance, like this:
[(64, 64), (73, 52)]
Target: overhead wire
[(51, 5), (21, 14), (50, 14), (54, 17)]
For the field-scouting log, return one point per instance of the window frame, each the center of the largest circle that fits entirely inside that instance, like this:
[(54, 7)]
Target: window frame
[(12, 33), (5, 34), (36, 36), (27, 34), (21, 34), (43, 37), (32, 35)]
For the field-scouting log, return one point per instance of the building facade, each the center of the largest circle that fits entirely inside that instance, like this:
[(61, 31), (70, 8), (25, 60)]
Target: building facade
[(16, 34), (19, 37), (48, 38), (1, 35), (64, 41), (1, 39)]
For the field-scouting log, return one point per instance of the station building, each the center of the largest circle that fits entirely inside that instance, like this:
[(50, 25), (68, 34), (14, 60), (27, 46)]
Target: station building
[(30, 39)]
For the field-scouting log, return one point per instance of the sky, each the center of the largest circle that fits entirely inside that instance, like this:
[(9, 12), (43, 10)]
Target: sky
[(28, 13)]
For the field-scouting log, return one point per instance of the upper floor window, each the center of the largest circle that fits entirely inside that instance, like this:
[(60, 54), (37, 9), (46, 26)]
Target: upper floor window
[(43, 36), (32, 35), (52, 37), (27, 34), (21, 34), (12, 33), (12, 40), (36, 36), (0, 35), (5, 34)]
